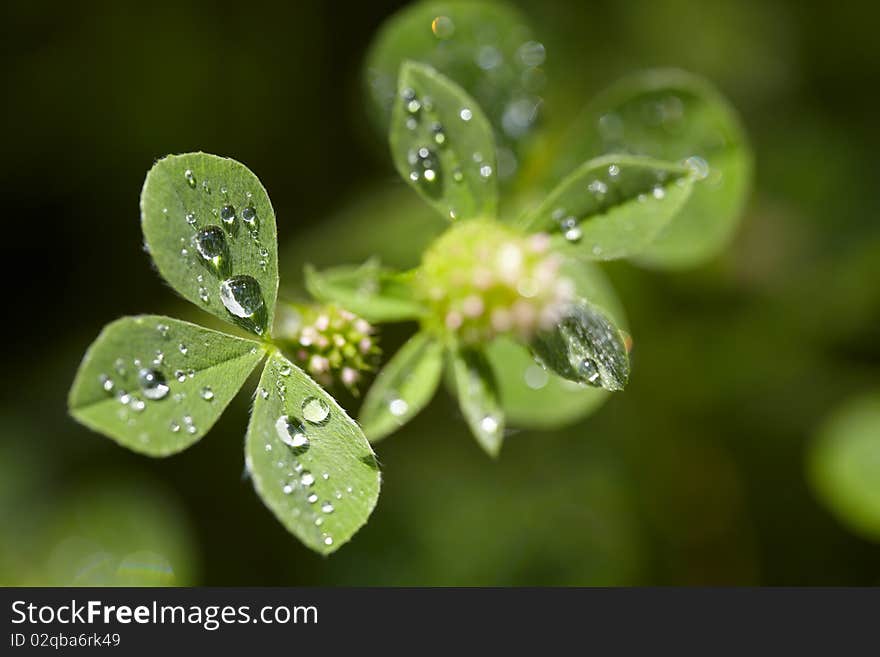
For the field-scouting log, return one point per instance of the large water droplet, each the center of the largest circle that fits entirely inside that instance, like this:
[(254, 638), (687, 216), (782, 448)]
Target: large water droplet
[(241, 295), (291, 432), (153, 384), (211, 244), (315, 410)]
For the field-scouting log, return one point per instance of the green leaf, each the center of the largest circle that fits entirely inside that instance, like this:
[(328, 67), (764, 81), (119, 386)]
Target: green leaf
[(487, 48), (442, 144), (534, 397), (156, 384), (403, 387), (673, 115), (613, 206), (585, 347), (374, 293), (478, 397), (844, 465), (210, 228), (310, 463)]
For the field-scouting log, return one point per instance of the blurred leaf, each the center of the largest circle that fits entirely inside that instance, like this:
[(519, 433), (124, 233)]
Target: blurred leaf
[(210, 228), (403, 387), (477, 390), (613, 206), (374, 293), (585, 347), (442, 144), (844, 465), (486, 48), (156, 384), (534, 397), (310, 462), (673, 115)]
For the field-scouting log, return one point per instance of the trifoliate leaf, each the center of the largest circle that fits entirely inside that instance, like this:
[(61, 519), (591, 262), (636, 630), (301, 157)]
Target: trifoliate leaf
[(156, 384), (403, 387), (478, 398), (310, 462), (210, 228), (442, 144)]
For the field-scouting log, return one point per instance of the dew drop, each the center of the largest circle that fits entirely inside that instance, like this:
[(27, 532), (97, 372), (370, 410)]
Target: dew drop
[(658, 192), (206, 393), (190, 218), (291, 432), (284, 370), (249, 215), (698, 166), (106, 383), (489, 424), (598, 187), (315, 410), (536, 377), (180, 375), (241, 295), (312, 498), (174, 427), (613, 170), (153, 384), (264, 393), (190, 178), (227, 215), (443, 27), (163, 330), (439, 134), (287, 490), (137, 405), (485, 171), (466, 114), (327, 507), (398, 407), (182, 348), (210, 242), (328, 540), (203, 294)]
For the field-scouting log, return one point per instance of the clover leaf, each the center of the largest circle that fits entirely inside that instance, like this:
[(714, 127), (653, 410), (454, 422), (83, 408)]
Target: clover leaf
[(157, 384)]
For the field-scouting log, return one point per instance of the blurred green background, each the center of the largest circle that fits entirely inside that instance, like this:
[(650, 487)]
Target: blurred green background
[(697, 474)]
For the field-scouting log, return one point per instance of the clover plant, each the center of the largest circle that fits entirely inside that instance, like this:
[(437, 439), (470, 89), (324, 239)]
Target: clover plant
[(511, 309)]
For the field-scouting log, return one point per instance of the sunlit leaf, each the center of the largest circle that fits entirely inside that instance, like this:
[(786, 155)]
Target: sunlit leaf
[(442, 144), (478, 397), (486, 48), (585, 347), (844, 465), (613, 206), (210, 228), (309, 461), (403, 387), (369, 290), (673, 116), (536, 397), (156, 384)]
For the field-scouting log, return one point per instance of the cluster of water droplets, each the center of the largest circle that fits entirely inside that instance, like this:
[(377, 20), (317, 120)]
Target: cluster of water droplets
[(295, 432), (136, 384), (240, 294)]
